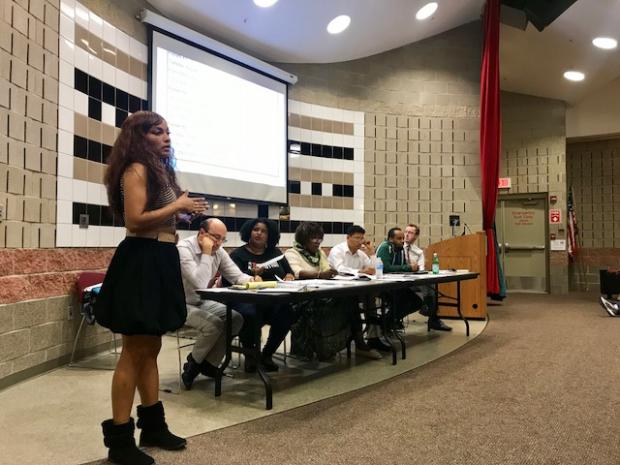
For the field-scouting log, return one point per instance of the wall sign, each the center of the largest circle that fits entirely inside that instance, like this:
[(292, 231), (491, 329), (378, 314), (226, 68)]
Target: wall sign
[(555, 216), (558, 244), (522, 217)]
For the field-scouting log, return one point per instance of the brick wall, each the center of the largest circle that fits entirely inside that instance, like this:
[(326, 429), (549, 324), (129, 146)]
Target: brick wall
[(39, 314), (593, 170), (584, 270), (38, 273)]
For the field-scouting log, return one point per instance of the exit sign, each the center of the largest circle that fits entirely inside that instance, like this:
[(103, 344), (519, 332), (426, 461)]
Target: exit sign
[(504, 183)]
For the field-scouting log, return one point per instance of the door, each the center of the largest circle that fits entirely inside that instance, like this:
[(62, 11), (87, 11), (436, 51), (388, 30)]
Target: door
[(521, 233)]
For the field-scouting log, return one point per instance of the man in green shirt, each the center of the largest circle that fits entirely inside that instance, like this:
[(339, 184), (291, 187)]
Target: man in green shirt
[(406, 301)]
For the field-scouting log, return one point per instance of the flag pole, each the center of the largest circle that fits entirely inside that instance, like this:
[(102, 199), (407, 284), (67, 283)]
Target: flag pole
[(574, 239)]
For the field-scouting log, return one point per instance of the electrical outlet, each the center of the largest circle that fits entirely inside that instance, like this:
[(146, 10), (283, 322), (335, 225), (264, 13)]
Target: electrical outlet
[(70, 313)]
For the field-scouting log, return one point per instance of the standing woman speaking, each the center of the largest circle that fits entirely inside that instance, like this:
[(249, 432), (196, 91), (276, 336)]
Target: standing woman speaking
[(142, 295)]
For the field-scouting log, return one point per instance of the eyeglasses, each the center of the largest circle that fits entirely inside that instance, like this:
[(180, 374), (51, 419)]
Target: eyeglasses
[(217, 238), (316, 239)]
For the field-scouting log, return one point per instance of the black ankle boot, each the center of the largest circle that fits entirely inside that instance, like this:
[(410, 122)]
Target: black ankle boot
[(207, 369), (191, 369), (122, 445), (155, 431)]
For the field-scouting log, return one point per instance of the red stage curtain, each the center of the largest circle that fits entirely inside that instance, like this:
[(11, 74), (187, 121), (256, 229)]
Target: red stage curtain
[(490, 135)]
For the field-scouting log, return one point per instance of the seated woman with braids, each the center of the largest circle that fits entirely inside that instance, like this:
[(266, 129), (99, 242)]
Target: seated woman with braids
[(325, 325), (261, 237)]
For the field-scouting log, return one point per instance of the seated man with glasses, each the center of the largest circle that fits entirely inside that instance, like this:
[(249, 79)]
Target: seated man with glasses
[(202, 257), (353, 256)]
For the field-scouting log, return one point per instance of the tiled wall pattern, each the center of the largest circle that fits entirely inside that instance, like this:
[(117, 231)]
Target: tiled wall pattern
[(28, 122), (534, 145), (534, 157), (37, 281), (593, 169), (421, 170), (421, 124), (102, 79), (323, 183), (327, 171)]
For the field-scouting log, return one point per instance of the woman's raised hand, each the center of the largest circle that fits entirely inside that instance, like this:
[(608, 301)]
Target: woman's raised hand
[(193, 205)]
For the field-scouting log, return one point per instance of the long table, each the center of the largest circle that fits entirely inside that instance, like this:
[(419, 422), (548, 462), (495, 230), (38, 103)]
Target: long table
[(299, 291)]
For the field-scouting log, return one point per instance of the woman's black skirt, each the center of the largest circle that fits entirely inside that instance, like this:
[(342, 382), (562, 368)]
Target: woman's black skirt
[(142, 293)]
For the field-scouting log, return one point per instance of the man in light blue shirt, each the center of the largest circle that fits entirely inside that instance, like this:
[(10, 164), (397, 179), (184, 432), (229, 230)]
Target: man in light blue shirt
[(202, 257)]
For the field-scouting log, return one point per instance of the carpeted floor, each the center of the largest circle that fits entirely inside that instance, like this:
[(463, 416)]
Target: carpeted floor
[(540, 386)]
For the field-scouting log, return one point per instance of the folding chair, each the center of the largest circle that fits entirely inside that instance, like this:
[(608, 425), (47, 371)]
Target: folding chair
[(87, 291), (184, 332)]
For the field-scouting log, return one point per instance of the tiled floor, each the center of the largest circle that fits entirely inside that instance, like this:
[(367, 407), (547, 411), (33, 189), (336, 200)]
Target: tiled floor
[(54, 419)]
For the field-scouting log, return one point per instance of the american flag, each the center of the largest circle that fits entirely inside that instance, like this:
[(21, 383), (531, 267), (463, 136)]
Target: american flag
[(573, 230)]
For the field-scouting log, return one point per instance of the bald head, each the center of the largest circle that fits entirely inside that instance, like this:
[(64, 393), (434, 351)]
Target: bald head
[(215, 229), (216, 223)]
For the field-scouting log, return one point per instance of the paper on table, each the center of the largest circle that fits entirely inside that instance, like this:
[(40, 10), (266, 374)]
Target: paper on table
[(293, 283), (269, 262), (255, 285), (396, 276), (216, 289), (279, 290)]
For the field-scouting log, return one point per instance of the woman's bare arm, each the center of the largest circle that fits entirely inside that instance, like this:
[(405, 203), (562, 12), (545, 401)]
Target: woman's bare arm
[(135, 197)]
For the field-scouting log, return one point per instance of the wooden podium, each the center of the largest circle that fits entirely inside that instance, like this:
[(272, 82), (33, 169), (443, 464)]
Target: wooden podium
[(462, 252)]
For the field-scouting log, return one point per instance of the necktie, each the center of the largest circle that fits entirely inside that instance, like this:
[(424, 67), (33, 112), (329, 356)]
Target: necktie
[(407, 254)]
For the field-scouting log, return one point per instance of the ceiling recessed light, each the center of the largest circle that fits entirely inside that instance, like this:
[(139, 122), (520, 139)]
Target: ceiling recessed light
[(265, 3), (338, 24), (426, 11), (574, 76), (606, 43)]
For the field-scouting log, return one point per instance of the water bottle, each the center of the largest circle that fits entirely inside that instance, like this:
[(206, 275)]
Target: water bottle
[(379, 268), (435, 267)]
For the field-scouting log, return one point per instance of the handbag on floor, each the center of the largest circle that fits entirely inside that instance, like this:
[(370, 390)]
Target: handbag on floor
[(322, 330)]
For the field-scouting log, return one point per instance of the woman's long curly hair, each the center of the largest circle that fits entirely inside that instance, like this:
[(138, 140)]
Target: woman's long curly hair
[(130, 147)]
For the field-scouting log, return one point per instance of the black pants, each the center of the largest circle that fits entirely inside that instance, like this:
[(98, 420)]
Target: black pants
[(406, 301), (279, 317)]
